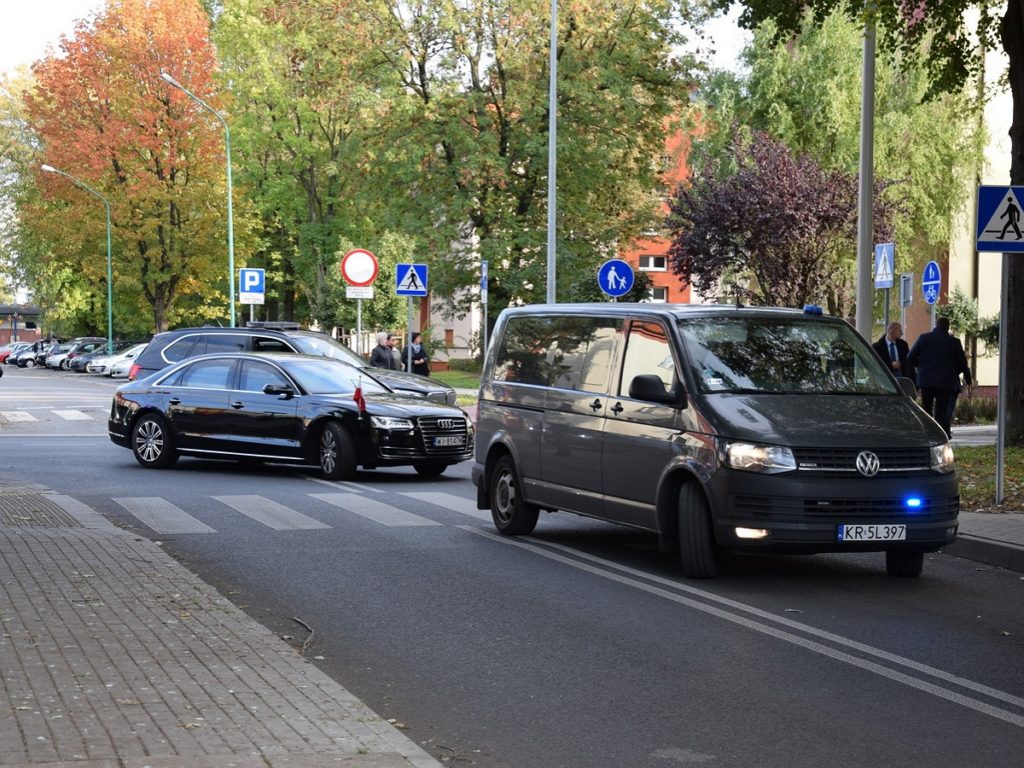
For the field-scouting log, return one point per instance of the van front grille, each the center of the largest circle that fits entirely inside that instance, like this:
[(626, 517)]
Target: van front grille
[(844, 510), (845, 459)]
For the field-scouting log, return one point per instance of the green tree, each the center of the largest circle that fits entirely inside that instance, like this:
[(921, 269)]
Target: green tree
[(953, 53)]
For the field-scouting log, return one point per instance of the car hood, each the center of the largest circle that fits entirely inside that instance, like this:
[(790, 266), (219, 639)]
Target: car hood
[(392, 404), (409, 381), (851, 421)]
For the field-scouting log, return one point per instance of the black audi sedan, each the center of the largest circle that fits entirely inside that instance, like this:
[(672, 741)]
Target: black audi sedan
[(283, 407)]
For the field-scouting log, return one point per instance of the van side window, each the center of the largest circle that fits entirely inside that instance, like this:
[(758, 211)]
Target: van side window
[(583, 354), (648, 351), (265, 344), (223, 342), (565, 352), (179, 349)]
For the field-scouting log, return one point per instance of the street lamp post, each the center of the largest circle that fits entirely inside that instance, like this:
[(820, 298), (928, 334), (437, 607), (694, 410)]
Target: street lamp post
[(227, 151), (110, 276)]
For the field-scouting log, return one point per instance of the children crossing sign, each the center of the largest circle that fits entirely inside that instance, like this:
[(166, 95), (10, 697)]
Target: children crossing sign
[(411, 280), (1000, 219)]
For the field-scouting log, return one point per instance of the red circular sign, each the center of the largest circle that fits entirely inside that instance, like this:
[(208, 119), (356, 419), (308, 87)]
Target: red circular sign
[(359, 267)]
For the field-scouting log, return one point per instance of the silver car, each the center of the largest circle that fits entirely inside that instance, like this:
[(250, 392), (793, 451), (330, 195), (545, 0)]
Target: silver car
[(104, 365)]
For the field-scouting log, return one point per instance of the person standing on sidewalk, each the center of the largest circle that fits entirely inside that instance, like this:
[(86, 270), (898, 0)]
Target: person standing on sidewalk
[(939, 359), (382, 356), (417, 353), (895, 352)]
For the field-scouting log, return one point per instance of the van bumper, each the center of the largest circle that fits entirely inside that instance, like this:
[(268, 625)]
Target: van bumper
[(804, 514)]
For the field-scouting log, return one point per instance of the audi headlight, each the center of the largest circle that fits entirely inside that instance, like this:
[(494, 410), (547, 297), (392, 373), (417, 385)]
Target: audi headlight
[(390, 422), (942, 458), (754, 457)]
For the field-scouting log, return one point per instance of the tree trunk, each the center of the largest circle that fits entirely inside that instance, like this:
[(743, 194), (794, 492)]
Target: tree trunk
[(1013, 42)]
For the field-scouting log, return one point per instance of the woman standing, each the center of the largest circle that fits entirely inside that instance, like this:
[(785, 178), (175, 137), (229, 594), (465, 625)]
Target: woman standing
[(420, 358)]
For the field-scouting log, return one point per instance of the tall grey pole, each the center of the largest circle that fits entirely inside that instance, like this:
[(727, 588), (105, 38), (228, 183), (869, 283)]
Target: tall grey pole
[(1001, 403), (865, 228), (552, 144), (227, 151), (408, 337)]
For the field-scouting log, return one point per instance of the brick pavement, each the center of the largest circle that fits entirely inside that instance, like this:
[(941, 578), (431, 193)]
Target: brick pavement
[(112, 654)]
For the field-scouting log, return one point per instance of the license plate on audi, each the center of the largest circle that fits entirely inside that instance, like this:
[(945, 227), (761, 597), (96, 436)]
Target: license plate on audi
[(872, 533), (445, 440)]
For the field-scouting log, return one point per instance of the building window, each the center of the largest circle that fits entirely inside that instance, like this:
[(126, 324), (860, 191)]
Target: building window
[(659, 294), (653, 263)]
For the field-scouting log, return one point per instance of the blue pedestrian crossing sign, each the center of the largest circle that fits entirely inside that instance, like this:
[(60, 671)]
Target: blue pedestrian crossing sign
[(1000, 219), (251, 286), (411, 280), (931, 282), (884, 264), (615, 277)]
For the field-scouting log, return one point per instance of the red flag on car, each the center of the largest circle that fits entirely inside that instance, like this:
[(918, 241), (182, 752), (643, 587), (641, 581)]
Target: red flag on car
[(358, 397)]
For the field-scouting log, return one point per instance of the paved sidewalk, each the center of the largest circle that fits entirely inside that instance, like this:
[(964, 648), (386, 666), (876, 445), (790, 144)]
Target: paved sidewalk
[(113, 655), (996, 539)]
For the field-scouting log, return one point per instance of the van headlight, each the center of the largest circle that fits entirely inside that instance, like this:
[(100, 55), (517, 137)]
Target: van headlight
[(390, 422), (754, 457), (942, 458)]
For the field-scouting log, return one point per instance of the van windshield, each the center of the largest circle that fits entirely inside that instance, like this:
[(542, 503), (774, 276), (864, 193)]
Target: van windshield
[(782, 355)]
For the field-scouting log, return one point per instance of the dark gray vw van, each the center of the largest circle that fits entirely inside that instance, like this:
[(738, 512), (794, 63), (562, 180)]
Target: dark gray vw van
[(719, 427)]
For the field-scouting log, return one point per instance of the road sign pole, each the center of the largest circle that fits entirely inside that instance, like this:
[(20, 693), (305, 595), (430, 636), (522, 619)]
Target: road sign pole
[(1004, 309), (359, 326), (885, 315), (408, 336)]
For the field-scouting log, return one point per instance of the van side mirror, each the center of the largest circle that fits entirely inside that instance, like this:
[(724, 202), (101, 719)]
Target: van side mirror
[(907, 385), (283, 391), (652, 389)]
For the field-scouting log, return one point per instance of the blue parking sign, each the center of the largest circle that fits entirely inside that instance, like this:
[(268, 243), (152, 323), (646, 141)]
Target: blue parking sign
[(251, 286)]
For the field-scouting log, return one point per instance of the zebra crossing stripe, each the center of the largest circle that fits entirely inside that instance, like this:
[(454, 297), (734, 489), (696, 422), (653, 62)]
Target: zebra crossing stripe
[(450, 501), (17, 416), (378, 512), (270, 513), (74, 415), (162, 516)]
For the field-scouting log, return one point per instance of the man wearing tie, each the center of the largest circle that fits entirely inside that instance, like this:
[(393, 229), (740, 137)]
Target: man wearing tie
[(895, 352)]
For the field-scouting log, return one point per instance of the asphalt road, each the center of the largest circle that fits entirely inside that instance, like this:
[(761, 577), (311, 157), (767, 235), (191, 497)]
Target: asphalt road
[(579, 646)]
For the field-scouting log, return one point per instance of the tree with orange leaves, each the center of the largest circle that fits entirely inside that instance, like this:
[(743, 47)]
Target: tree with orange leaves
[(103, 114)]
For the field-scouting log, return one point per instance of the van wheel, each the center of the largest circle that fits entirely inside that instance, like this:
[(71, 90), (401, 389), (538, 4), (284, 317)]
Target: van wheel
[(512, 515), (151, 443), (697, 551), (904, 562), (337, 452)]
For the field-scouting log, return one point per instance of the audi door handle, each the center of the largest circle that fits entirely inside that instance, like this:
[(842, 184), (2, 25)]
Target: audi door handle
[(596, 405), (617, 409), (238, 404)]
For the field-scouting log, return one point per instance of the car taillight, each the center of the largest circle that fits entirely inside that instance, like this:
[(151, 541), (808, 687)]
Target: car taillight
[(134, 371)]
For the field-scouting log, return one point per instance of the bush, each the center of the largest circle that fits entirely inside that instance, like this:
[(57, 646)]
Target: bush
[(976, 410), (469, 365)]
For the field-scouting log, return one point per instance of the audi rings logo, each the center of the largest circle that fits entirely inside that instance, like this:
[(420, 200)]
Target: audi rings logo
[(867, 463), (450, 424)]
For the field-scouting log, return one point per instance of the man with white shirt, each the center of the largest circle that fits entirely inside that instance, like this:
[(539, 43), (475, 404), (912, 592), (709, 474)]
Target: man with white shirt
[(895, 352)]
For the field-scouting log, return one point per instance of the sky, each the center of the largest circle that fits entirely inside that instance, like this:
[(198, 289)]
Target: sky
[(27, 27)]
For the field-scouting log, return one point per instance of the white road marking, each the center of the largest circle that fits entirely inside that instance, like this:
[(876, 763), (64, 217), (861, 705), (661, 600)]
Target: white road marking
[(162, 516), (13, 416), (270, 513), (542, 548), (385, 514), (72, 415), (452, 502)]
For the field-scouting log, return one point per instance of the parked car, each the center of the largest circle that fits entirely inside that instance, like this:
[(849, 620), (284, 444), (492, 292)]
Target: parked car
[(715, 427), (79, 362), (12, 350), (62, 356), (45, 351), (285, 407), (121, 368), (26, 358), (172, 346), (104, 364)]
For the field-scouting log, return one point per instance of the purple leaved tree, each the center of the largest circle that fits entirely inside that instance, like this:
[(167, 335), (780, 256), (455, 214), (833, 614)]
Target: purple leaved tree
[(778, 230)]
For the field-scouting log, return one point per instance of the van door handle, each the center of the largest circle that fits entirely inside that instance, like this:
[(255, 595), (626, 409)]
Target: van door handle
[(175, 401), (617, 409), (238, 404), (596, 405)]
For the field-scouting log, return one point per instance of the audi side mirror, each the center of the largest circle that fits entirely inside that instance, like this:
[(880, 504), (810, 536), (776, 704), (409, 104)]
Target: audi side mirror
[(283, 391)]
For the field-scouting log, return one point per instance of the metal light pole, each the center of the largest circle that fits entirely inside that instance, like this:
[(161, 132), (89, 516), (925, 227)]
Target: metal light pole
[(865, 215), (552, 143), (110, 276), (227, 151)]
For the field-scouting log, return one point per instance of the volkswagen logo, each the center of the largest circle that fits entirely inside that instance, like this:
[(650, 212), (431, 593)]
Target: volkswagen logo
[(867, 463), (450, 424)]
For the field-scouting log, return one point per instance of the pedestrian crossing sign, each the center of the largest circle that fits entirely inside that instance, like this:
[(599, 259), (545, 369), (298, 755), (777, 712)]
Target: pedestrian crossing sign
[(411, 280), (884, 264), (1000, 219)]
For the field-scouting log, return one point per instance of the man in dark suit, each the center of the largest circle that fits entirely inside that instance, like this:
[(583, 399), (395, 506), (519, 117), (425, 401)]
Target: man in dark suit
[(895, 352), (939, 359)]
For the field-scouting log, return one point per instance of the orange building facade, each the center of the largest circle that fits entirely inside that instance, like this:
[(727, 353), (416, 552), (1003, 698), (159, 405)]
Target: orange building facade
[(650, 253)]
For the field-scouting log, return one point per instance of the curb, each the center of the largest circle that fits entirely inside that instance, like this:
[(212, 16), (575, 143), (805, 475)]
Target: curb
[(984, 550)]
